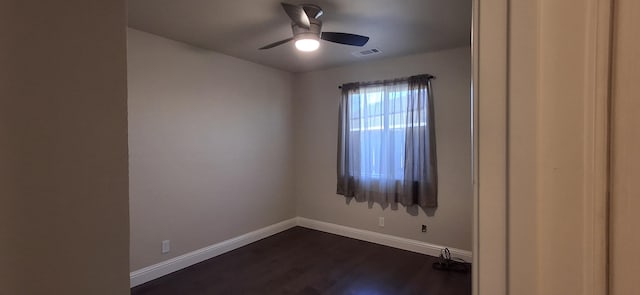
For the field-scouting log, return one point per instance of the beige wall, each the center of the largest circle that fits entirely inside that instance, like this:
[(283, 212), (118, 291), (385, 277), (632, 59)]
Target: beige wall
[(210, 147), (316, 119), (64, 224)]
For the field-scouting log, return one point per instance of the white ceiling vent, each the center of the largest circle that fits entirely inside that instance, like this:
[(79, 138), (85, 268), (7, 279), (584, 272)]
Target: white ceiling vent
[(367, 52)]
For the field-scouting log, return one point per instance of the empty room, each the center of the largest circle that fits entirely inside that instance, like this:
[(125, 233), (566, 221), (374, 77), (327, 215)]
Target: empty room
[(260, 166), (320, 147)]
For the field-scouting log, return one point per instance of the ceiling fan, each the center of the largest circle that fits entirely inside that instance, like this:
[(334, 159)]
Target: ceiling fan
[(307, 29)]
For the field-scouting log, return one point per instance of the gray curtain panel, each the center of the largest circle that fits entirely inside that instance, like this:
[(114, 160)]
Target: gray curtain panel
[(386, 142)]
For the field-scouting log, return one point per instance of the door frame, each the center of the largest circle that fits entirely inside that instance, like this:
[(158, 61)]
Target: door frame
[(597, 146), (489, 138), (491, 156)]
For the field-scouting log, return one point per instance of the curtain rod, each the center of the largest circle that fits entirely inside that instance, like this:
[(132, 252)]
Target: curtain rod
[(431, 77)]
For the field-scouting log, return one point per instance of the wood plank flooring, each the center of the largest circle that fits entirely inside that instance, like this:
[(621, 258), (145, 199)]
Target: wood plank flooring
[(305, 261)]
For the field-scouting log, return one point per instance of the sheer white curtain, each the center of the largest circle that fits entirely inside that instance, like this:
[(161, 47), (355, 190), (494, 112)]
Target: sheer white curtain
[(386, 142)]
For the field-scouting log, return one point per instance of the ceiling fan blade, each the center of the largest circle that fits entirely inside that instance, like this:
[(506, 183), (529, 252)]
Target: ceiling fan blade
[(297, 15), (345, 38), (274, 44)]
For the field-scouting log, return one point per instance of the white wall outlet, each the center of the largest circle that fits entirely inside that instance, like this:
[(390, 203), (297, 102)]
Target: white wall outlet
[(166, 246), (381, 221)]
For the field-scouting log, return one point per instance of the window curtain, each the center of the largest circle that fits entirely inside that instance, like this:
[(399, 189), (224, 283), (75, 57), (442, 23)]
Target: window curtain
[(386, 142)]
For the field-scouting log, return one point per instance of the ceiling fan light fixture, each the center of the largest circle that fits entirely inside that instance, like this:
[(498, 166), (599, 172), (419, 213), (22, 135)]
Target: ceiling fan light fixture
[(307, 40), (307, 44)]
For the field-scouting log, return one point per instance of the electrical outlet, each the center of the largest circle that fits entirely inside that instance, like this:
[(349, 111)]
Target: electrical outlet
[(166, 246), (424, 228), (381, 221)]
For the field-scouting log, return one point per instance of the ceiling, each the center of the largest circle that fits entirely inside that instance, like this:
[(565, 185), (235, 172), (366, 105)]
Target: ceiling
[(239, 27)]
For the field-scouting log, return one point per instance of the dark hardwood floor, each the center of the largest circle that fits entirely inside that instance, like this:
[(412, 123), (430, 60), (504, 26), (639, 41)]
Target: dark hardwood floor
[(305, 261)]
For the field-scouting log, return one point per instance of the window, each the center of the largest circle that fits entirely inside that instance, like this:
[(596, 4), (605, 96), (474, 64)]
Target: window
[(386, 149)]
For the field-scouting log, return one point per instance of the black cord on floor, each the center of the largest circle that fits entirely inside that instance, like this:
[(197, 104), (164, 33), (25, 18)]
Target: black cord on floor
[(447, 263)]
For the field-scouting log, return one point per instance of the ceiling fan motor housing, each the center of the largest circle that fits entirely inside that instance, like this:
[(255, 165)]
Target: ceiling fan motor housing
[(312, 33)]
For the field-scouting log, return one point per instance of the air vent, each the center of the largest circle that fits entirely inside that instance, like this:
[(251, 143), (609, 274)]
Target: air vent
[(367, 52)]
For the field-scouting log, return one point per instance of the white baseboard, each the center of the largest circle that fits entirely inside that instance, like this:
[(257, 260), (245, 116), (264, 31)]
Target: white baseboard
[(166, 267), (382, 239)]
